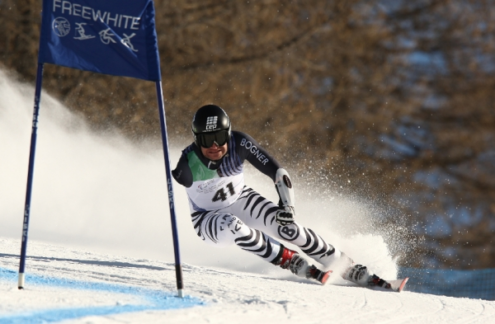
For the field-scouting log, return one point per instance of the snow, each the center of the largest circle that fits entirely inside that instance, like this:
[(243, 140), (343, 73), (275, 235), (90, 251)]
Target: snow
[(214, 295), (100, 246)]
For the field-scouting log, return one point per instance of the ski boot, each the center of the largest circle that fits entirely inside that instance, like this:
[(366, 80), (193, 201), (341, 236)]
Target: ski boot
[(361, 276), (300, 267)]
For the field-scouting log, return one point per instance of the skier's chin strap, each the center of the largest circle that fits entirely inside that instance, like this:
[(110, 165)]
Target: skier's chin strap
[(284, 188)]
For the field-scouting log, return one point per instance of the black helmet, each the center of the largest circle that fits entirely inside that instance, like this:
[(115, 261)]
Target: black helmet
[(211, 125)]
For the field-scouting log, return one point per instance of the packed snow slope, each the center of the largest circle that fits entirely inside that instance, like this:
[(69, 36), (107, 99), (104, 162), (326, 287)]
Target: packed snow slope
[(100, 248), (76, 286)]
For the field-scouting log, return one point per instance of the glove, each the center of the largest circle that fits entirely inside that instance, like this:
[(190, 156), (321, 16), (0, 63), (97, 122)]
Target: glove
[(285, 215)]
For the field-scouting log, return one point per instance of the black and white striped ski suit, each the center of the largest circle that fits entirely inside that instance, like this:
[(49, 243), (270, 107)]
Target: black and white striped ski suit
[(250, 224), (246, 219)]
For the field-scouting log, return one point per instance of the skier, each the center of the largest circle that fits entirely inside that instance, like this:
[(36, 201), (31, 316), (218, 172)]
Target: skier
[(224, 211)]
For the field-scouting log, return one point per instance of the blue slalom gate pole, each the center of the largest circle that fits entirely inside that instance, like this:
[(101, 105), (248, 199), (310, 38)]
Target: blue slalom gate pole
[(29, 187), (175, 234)]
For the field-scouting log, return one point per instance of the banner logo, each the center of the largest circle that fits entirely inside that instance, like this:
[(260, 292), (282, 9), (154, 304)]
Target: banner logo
[(81, 32), (115, 37), (61, 26)]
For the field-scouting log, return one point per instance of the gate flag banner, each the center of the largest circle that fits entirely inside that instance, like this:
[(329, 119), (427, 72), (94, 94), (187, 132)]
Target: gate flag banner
[(115, 37)]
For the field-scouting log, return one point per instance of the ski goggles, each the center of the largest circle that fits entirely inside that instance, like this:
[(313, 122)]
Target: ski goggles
[(207, 140)]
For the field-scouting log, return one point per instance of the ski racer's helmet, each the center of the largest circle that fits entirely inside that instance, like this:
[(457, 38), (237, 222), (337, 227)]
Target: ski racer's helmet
[(211, 125)]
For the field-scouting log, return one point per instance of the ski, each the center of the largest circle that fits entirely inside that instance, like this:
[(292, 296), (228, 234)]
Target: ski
[(396, 285)]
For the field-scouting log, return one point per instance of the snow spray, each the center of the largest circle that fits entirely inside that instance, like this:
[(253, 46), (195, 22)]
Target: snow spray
[(100, 191)]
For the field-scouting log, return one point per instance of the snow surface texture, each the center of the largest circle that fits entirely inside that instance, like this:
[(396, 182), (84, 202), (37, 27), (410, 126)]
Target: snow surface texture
[(100, 248), (100, 288)]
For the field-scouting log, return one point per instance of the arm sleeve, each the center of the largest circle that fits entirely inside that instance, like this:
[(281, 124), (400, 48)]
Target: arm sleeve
[(182, 173), (250, 150)]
